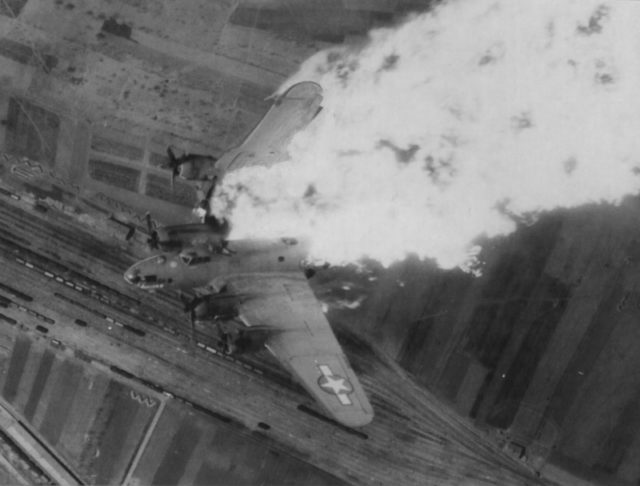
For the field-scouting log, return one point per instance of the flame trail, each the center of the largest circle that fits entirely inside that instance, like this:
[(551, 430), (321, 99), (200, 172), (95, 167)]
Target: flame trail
[(447, 127)]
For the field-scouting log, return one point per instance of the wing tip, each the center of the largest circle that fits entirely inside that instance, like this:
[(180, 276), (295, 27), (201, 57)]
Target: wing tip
[(357, 420), (303, 89)]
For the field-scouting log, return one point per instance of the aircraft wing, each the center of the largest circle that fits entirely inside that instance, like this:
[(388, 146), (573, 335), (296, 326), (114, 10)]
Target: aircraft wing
[(268, 142), (304, 342)]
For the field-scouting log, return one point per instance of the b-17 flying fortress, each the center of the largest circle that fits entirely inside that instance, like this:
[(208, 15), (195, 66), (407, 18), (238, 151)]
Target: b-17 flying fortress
[(256, 292)]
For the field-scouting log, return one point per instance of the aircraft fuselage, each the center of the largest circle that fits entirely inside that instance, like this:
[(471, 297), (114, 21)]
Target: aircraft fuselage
[(193, 268)]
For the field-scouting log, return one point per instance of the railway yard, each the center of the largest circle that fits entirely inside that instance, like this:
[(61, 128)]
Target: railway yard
[(94, 368), (523, 375)]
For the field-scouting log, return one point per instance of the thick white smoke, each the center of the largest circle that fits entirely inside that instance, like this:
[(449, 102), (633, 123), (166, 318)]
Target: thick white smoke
[(443, 129)]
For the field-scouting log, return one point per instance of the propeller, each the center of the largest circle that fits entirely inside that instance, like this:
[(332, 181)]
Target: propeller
[(189, 306), (131, 228), (130, 233), (153, 240), (234, 337), (204, 204), (174, 165)]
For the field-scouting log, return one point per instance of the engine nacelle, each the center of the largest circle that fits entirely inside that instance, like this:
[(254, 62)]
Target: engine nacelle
[(242, 341), (192, 167), (216, 309)]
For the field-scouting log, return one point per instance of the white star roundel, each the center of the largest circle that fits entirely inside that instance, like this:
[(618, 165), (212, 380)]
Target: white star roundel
[(335, 384)]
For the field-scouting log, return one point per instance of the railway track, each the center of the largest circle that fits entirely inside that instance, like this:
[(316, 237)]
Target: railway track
[(98, 297), (132, 314)]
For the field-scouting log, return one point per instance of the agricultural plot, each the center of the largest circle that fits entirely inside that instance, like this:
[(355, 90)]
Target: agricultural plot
[(94, 422), (188, 447)]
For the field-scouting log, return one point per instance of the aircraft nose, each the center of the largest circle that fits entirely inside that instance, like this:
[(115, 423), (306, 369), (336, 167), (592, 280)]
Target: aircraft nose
[(132, 275)]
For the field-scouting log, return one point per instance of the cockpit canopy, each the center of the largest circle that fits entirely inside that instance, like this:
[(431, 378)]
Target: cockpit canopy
[(191, 258)]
